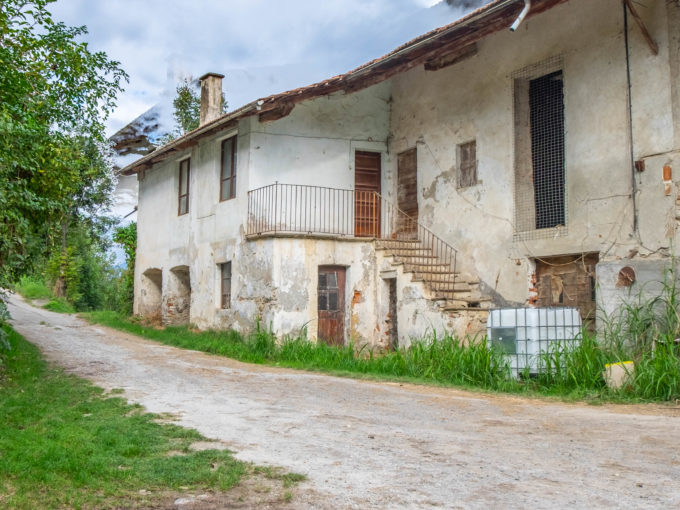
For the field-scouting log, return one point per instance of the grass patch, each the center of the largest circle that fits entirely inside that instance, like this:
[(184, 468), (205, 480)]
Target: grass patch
[(32, 287), (572, 373), (59, 305), (65, 444)]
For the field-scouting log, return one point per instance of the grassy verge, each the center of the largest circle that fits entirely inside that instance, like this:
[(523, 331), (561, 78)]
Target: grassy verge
[(65, 444), (34, 288), (573, 373)]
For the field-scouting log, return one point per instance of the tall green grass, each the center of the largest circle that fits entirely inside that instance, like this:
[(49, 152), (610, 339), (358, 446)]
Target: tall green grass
[(646, 330), (437, 360), (33, 287), (571, 370)]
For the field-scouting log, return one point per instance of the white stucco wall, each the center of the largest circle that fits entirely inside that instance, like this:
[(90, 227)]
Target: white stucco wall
[(435, 111), (274, 280)]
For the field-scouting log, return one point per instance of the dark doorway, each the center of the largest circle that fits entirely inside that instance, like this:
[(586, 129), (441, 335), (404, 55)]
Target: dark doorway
[(366, 185), (331, 308)]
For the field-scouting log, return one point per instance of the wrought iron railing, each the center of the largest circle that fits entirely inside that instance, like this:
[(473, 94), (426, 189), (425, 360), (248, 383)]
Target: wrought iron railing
[(301, 209)]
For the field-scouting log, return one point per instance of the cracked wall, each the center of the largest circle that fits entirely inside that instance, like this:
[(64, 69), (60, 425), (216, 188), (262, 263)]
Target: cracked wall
[(436, 111)]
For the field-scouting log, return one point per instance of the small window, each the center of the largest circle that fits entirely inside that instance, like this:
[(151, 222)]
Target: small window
[(225, 270), (184, 172), (228, 169), (467, 164)]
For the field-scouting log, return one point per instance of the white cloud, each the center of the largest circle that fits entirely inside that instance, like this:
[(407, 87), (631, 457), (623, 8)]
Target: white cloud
[(262, 46)]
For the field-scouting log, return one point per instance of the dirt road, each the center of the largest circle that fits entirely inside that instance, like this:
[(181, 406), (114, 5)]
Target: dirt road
[(382, 445)]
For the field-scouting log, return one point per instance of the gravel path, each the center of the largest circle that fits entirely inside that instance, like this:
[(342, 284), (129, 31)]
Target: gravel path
[(385, 445)]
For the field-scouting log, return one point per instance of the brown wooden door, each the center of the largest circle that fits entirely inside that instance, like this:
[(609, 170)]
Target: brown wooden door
[(366, 203), (331, 296), (407, 192), (568, 281)]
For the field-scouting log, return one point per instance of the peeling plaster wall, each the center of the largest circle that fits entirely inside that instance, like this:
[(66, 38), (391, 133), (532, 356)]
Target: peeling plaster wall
[(436, 111), (315, 144), (273, 281)]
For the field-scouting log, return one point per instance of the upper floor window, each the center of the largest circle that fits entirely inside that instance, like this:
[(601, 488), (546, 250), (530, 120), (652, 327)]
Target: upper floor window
[(228, 169), (184, 173), (467, 164), (540, 176)]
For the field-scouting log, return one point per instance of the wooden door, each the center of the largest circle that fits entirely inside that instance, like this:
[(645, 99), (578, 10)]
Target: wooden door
[(568, 281), (407, 193), (366, 203), (331, 308)]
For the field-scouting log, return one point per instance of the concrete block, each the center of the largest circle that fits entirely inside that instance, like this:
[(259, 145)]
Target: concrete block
[(617, 375)]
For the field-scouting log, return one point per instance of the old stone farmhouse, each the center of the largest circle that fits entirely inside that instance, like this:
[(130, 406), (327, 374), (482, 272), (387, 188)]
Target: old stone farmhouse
[(473, 167)]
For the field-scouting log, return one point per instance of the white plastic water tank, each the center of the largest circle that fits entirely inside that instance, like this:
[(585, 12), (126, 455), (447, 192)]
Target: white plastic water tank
[(524, 333)]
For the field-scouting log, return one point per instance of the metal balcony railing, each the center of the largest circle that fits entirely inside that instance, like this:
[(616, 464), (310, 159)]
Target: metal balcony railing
[(301, 209)]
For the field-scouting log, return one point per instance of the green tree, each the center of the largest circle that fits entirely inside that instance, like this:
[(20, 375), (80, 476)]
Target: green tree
[(187, 110), (55, 95), (126, 237)]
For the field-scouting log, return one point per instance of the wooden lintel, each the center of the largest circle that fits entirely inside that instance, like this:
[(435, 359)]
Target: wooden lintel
[(451, 58), (645, 33), (277, 113)]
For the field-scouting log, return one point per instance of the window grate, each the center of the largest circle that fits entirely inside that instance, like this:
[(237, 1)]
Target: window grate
[(547, 148), (540, 189)]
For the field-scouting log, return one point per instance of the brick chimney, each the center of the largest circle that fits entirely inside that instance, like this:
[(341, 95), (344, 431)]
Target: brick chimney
[(211, 97)]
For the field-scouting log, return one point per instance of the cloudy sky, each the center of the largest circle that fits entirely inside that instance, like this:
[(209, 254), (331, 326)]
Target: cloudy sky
[(262, 46)]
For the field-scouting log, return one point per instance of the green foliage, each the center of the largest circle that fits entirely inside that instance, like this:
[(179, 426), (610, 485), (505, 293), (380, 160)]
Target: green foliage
[(59, 305), (84, 270), (54, 159), (571, 367), (187, 108), (64, 444), (126, 237), (33, 287)]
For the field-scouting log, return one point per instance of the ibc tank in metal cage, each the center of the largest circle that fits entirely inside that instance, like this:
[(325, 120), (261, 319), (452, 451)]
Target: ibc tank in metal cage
[(524, 333)]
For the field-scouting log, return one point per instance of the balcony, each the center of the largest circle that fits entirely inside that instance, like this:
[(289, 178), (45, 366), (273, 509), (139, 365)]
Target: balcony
[(296, 209)]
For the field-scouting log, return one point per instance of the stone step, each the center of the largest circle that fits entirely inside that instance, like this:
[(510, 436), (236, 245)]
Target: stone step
[(414, 254), (422, 271), (468, 304), (435, 280), (402, 245)]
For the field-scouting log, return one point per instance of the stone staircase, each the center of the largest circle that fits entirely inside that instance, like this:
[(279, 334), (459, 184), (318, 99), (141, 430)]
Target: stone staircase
[(453, 293)]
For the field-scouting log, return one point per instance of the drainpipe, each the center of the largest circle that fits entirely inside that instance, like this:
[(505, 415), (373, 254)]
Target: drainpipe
[(631, 139), (522, 15)]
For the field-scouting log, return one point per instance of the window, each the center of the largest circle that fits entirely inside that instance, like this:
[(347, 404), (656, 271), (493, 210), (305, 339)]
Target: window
[(228, 169), (225, 286), (540, 190), (184, 173), (467, 164)]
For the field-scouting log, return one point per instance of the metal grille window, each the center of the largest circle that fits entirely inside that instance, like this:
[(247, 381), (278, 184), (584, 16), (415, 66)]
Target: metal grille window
[(225, 270), (547, 148), (228, 169), (467, 164), (184, 174), (540, 191)]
